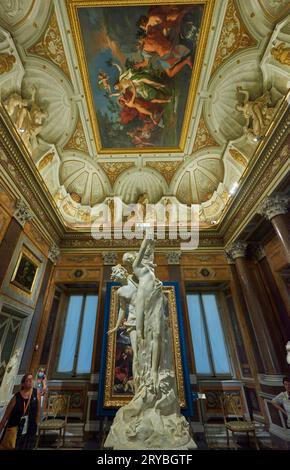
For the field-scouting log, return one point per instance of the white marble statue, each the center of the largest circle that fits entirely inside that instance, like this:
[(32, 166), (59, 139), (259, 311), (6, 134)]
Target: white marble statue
[(288, 352), (9, 377), (152, 419), (126, 296)]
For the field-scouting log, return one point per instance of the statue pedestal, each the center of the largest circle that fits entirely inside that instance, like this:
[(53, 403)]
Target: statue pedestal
[(152, 420)]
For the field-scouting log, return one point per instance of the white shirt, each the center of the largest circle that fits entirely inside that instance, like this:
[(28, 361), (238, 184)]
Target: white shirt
[(283, 400)]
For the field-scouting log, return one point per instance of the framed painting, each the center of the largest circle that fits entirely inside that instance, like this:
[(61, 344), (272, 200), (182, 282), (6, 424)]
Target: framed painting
[(25, 271), (140, 65), (116, 378)]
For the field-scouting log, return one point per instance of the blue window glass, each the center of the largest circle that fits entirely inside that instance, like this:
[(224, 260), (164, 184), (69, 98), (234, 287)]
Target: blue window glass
[(198, 335), (70, 337), (207, 335), (216, 335), (87, 335), (76, 348)]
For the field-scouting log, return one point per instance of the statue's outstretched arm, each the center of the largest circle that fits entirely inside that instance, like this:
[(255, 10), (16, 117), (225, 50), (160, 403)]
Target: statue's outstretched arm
[(121, 316), (138, 260)]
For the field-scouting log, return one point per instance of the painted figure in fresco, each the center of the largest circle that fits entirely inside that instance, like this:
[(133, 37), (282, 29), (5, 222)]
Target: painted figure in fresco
[(171, 58), (143, 83), (163, 17), (103, 82), (141, 106)]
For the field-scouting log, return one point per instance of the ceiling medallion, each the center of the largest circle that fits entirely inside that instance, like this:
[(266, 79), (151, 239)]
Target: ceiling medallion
[(140, 66)]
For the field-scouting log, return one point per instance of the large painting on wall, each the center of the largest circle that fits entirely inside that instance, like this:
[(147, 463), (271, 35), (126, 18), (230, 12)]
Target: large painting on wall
[(116, 378), (140, 64)]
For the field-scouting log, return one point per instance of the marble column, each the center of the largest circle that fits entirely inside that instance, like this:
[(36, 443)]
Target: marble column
[(280, 310), (273, 310), (244, 321), (21, 215), (255, 307), (275, 209)]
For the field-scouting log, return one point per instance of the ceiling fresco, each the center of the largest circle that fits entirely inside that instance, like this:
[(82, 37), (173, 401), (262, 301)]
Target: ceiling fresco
[(143, 100), (140, 68)]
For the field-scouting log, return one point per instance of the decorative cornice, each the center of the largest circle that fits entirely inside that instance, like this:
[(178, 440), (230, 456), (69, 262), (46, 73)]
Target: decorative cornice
[(237, 249), (274, 205), (53, 253), (109, 258), (22, 213), (234, 36), (238, 157), (83, 240), (19, 166), (269, 159), (50, 45), (173, 257)]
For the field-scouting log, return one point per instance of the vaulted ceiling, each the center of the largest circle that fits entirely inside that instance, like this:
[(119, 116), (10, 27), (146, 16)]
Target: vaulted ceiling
[(211, 145)]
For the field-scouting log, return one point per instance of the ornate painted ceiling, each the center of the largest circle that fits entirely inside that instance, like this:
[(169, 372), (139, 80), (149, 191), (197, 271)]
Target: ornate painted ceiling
[(124, 98)]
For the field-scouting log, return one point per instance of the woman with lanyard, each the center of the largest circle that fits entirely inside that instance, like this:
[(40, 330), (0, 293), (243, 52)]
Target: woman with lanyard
[(21, 417)]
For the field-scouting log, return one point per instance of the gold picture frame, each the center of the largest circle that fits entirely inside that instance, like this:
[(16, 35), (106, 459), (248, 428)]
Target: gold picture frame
[(72, 8), (25, 272), (112, 399)]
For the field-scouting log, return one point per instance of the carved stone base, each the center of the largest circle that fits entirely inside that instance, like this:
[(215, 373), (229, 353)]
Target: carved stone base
[(151, 420)]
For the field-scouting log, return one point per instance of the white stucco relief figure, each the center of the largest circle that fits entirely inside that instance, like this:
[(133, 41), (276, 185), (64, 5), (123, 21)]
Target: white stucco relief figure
[(9, 377), (288, 352), (152, 419), (27, 117)]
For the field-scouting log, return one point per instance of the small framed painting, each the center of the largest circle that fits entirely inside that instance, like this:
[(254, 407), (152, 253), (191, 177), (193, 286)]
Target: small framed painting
[(25, 271)]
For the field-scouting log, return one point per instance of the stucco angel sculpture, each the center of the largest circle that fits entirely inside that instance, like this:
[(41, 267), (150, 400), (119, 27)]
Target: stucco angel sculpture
[(27, 117), (258, 113)]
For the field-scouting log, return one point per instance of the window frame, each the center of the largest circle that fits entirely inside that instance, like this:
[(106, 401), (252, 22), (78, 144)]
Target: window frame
[(205, 376), (63, 308)]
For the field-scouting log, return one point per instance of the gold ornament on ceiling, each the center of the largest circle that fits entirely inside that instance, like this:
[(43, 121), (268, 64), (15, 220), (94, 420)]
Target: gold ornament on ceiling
[(75, 197), (6, 62), (281, 53), (78, 139), (234, 36), (238, 157), (167, 169), (50, 46), (45, 161), (203, 137), (114, 169)]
